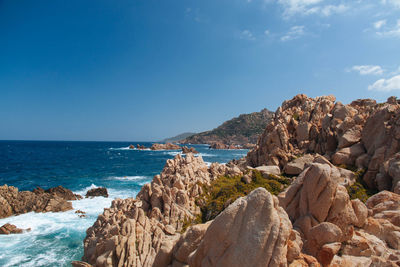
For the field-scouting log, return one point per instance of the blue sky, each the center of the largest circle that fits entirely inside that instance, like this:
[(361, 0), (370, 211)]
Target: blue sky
[(145, 70)]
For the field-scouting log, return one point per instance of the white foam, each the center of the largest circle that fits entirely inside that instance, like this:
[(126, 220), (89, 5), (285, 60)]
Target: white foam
[(206, 155), (140, 180), (121, 148), (129, 178), (172, 153), (47, 244)]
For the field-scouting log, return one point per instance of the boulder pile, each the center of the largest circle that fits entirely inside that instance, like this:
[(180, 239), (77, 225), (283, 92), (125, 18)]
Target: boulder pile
[(324, 146)]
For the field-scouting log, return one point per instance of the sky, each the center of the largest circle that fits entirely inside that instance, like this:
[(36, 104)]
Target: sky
[(143, 70)]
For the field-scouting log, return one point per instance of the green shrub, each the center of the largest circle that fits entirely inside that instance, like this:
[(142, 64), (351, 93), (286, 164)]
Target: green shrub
[(359, 189), (225, 190)]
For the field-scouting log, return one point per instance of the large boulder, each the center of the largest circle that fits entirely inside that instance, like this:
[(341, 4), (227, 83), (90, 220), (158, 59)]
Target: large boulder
[(253, 231), (297, 165), (97, 192), (268, 170)]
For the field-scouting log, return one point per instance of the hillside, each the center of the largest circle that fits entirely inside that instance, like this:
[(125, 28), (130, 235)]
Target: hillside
[(178, 137), (238, 131)]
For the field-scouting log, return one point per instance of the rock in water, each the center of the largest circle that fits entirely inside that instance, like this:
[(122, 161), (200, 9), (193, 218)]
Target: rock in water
[(97, 192), (186, 150), (167, 146), (7, 229), (14, 201), (253, 231)]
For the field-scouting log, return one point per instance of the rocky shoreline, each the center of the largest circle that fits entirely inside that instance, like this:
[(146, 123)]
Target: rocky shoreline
[(321, 188), (321, 212)]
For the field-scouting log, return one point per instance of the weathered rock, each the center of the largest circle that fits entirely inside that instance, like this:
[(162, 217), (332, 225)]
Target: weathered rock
[(363, 133), (348, 155), (297, 165), (97, 192), (17, 202), (189, 242), (186, 150), (268, 170), (167, 146), (218, 145), (315, 197), (253, 231), (7, 229), (63, 193), (144, 231)]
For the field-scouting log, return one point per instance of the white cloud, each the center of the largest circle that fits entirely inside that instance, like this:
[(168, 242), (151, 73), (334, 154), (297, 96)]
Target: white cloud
[(395, 3), (308, 7), (266, 32), (379, 24), (391, 32), (292, 7), (367, 69), (247, 35), (331, 9), (386, 85), (294, 33)]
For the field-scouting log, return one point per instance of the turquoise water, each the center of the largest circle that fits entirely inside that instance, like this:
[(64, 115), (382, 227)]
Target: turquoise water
[(56, 238)]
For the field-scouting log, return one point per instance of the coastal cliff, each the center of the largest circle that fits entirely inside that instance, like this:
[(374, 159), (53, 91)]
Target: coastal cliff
[(320, 189)]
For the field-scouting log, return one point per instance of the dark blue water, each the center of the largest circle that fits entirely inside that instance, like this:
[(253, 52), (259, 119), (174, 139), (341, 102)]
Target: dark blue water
[(56, 238)]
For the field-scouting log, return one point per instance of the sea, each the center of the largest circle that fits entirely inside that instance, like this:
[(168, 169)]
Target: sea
[(56, 238)]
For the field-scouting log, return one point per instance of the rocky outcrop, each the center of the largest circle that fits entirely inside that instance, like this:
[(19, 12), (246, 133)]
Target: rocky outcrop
[(97, 192), (253, 231), (314, 222), (14, 202), (59, 192), (362, 133), (167, 146), (7, 229), (338, 231), (186, 150), (144, 231)]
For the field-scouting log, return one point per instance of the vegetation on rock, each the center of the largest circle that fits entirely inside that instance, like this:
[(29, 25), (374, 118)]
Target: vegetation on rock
[(225, 190), (359, 189)]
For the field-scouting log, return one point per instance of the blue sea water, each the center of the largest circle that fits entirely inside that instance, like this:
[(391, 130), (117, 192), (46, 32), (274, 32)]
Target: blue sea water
[(56, 239)]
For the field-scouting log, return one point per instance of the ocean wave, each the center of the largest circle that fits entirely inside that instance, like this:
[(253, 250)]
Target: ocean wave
[(206, 155), (172, 153), (121, 148), (140, 180), (55, 238)]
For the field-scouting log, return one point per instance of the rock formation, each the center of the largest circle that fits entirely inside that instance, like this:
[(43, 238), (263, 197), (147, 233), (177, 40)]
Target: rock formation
[(167, 146), (13, 201), (7, 229), (143, 231), (362, 133), (253, 231), (314, 222), (186, 150), (97, 192)]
